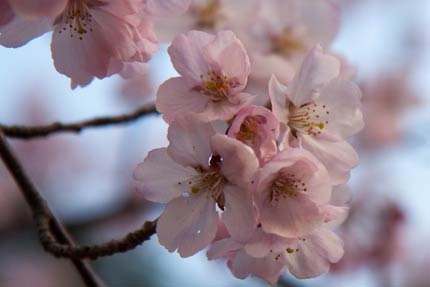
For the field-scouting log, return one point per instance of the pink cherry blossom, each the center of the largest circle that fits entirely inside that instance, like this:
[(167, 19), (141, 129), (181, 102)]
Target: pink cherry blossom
[(257, 127), (92, 38), (320, 110), (214, 71), (280, 32), (290, 188), (198, 171), (206, 15), (268, 255)]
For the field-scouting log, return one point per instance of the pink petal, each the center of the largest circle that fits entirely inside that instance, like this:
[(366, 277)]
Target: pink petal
[(278, 99), (166, 7), (266, 132), (239, 163), (338, 157), (160, 179), (291, 216), (316, 70), (267, 268), (240, 215), (315, 254), (342, 99), (188, 224), (262, 244), (186, 53), (175, 97), (189, 137), (19, 32), (224, 248), (36, 9), (228, 54), (225, 110)]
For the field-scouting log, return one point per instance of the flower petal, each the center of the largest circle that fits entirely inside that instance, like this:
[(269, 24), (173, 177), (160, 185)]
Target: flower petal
[(36, 9), (291, 216), (240, 215), (267, 268), (186, 53), (342, 99), (239, 163), (228, 54), (189, 138), (316, 70), (174, 97), (188, 224), (278, 99), (160, 179), (338, 157), (315, 254), (19, 32)]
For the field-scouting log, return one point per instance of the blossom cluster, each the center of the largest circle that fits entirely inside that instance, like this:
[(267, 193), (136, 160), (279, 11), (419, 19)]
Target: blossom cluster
[(261, 186), (258, 159)]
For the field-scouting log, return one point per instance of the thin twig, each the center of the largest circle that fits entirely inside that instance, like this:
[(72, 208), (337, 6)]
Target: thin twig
[(27, 132), (52, 233)]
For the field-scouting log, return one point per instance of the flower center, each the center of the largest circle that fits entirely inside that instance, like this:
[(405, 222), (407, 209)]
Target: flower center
[(215, 86), (307, 119), (211, 181), (286, 185), (288, 43), (76, 18), (248, 131), (207, 15)]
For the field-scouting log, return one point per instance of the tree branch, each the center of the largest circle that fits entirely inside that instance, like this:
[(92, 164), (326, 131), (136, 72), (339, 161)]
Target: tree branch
[(27, 132), (52, 234)]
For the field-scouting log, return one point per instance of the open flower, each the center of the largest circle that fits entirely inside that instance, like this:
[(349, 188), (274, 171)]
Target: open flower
[(280, 32), (92, 38), (290, 188), (257, 127), (214, 71), (268, 255), (320, 110), (198, 171)]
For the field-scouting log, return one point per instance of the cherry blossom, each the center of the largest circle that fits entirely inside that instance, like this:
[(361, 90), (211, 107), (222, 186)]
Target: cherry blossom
[(280, 32), (268, 255), (198, 171), (214, 70), (257, 127), (320, 110), (208, 16), (289, 190), (92, 38)]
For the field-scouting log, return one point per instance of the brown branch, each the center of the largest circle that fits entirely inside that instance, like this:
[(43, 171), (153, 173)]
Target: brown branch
[(52, 233), (27, 132)]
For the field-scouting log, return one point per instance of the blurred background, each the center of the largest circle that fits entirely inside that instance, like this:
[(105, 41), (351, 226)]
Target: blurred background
[(87, 178)]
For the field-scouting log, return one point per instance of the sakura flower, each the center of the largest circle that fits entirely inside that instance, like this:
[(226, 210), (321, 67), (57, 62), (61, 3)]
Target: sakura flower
[(198, 171), (280, 32), (257, 127), (206, 15), (214, 70), (290, 188), (92, 38), (268, 255), (321, 110)]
